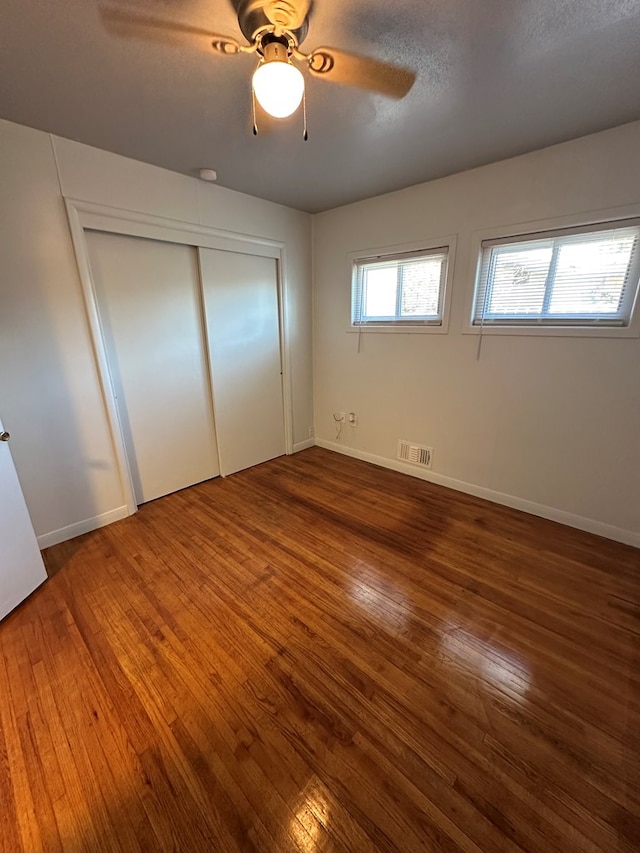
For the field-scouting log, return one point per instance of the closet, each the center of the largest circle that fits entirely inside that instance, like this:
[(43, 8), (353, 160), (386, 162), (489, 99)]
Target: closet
[(192, 342)]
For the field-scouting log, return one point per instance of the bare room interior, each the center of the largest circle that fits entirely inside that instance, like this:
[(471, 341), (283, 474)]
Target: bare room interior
[(319, 424)]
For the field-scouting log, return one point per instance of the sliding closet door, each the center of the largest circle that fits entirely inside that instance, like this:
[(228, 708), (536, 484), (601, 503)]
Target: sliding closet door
[(242, 318), (149, 301)]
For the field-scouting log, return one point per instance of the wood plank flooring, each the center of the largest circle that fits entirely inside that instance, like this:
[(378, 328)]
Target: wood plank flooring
[(321, 655)]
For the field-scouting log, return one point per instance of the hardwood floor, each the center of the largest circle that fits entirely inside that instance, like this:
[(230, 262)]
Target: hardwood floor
[(321, 655)]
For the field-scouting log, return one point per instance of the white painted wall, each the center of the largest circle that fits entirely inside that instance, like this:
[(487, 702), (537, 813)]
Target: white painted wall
[(550, 424), (49, 389)]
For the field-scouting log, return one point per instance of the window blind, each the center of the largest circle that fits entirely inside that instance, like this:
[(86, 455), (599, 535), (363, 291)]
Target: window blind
[(568, 277)]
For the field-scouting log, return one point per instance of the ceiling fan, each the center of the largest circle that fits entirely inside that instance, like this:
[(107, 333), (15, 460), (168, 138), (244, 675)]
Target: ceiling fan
[(274, 31)]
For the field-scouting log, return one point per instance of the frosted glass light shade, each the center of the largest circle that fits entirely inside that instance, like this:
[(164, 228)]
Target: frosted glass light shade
[(279, 88)]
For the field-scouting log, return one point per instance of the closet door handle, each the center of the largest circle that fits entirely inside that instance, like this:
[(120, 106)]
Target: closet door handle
[(4, 436)]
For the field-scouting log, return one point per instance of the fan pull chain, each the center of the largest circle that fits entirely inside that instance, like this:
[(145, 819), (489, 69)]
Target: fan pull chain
[(253, 109), (305, 135)]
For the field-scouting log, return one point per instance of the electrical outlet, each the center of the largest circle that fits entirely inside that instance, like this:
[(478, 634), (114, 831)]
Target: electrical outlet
[(312, 432), (353, 419)]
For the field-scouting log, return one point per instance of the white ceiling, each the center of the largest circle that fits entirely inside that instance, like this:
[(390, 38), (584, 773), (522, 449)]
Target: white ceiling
[(494, 79)]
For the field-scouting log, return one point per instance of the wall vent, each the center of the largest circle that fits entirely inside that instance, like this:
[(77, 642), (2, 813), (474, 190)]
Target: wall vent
[(417, 454)]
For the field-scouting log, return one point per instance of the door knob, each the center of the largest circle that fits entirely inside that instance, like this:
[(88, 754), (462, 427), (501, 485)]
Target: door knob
[(4, 436)]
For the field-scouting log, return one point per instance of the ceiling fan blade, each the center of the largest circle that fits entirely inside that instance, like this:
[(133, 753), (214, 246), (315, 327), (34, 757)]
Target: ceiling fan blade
[(360, 71), (168, 32), (289, 14)]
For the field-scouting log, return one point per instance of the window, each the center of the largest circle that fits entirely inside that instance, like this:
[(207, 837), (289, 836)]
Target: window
[(401, 289), (571, 277)]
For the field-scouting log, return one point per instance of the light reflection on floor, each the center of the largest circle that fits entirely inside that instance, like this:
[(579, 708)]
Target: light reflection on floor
[(384, 602), (311, 818), (485, 660)]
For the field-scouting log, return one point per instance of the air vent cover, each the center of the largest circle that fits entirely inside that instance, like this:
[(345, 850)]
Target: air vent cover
[(417, 454)]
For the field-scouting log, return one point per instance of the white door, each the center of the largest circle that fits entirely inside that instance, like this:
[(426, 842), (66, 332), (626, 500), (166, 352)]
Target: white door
[(21, 566), (243, 329), (149, 302)]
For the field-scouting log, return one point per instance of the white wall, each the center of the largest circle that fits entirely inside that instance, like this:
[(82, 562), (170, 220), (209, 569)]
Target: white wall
[(549, 424), (49, 392)]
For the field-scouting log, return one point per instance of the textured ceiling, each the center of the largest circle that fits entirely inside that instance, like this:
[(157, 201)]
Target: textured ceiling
[(494, 79)]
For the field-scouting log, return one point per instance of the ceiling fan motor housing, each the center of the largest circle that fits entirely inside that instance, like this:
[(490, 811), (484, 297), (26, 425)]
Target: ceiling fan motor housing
[(257, 15)]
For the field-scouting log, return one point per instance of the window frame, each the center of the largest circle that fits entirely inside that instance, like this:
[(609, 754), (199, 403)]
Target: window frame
[(539, 230), (397, 252)]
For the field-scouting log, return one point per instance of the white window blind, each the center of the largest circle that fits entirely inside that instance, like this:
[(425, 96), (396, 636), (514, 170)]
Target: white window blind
[(582, 277), (400, 289)]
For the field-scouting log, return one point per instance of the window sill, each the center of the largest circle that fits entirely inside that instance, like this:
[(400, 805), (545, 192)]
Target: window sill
[(631, 331), (399, 330)]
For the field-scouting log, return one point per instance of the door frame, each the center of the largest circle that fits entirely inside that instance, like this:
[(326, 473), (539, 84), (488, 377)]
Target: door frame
[(83, 215)]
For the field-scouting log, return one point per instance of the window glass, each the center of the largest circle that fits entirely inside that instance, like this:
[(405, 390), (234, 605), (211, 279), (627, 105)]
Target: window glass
[(399, 289)]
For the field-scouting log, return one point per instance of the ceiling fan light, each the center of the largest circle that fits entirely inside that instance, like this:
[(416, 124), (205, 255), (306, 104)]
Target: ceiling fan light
[(278, 87)]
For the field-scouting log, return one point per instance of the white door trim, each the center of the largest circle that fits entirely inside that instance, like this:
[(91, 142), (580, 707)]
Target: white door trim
[(88, 215)]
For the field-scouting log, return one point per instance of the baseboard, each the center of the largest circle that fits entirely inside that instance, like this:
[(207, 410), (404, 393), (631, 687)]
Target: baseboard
[(303, 445), (80, 527), (590, 525)]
